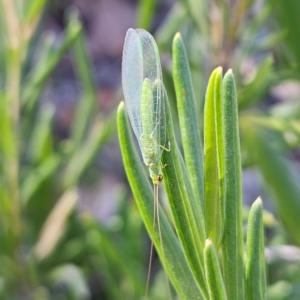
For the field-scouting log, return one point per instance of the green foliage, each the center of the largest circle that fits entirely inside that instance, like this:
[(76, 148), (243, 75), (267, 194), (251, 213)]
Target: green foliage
[(146, 10), (39, 175), (213, 272), (44, 241), (198, 259), (255, 269), (280, 176), (264, 52), (174, 257), (214, 158), (232, 244)]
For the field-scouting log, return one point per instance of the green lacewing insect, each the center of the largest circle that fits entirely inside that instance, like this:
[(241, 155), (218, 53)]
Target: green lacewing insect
[(145, 98)]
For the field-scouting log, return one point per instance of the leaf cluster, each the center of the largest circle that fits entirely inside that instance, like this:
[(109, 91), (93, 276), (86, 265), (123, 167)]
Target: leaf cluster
[(204, 194)]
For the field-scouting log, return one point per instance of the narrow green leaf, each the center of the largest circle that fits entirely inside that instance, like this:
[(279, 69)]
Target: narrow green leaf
[(260, 85), (184, 207), (55, 225), (280, 176), (37, 176), (39, 75), (190, 133), (145, 13), (198, 10), (88, 100), (286, 14), (100, 240), (232, 243), (8, 145), (174, 260), (214, 158), (9, 170), (255, 265), (172, 22), (8, 242), (42, 139), (99, 134), (33, 10), (219, 112), (214, 278)]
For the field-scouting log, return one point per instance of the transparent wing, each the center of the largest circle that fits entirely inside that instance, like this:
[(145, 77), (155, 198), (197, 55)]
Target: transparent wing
[(140, 61), (159, 101), (151, 59), (152, 71), (132, 78)]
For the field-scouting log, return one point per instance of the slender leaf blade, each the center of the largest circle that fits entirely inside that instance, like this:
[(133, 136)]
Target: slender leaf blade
[(213, 158), (99, 134), (190, 132), (213, 272), (255, 265), (280, 176), (232, 243), (174, 261), (40, 74), (86, 106), (185, 210), (37, 176), (146, 10)]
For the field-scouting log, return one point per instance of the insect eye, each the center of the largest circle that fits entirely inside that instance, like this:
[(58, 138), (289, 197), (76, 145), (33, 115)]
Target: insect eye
[(159, 177)]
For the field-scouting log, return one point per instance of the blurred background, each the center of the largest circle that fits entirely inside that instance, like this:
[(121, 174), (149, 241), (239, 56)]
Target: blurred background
[(69, 227)]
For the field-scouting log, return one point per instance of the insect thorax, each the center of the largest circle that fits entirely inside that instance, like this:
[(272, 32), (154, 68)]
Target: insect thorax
[(151, 151)]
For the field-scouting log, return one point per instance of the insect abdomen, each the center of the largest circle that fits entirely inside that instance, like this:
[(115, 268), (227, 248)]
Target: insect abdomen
[(146, 108)]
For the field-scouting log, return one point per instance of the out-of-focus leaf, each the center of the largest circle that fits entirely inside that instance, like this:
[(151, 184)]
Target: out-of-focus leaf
[(198, 11), (55, 224), (33, 181), (254, 91), (86, 106), (100, 240), (287, 13), (270, 41), (145, 13), (167, 30), (280, 290), (99, 134), (72, 278), (280, 176), (33, 10), (7, 138), (41, 143), (40, 74)]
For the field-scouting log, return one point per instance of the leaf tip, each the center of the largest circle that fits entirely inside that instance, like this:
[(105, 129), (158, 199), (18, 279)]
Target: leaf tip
[(121, 105), (177, 41), (219, 69), (229, 78), (120, 111), (257, 202), (208, 242), (229, 72), (177, 35)]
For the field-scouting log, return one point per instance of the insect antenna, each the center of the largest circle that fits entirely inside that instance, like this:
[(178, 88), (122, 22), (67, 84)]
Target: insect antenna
[(155, 187), (156, 215)]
